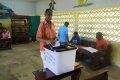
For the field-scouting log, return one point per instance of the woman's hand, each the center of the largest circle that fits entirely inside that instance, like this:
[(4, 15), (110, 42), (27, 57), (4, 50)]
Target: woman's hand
[(51, 41)]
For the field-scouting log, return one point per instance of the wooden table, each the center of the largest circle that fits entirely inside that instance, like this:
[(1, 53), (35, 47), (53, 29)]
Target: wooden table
[(48, 75), (5, 43), (101, 76), (99, 60)]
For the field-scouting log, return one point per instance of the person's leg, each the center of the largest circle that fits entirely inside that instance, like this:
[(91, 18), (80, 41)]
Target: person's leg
[(33, 38), (80, 56), (89, 58), (42, 54)]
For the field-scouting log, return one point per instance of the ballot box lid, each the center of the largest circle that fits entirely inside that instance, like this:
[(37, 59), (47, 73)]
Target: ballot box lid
[(61, 48)]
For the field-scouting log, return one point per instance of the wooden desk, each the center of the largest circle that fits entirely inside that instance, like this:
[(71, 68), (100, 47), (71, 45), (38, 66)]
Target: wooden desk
[(48, 75), (99, 60), (5, 44), (83, 50), (101, 76)]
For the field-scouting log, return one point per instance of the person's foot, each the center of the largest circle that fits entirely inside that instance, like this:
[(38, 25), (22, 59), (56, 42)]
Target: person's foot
[(43, 70)]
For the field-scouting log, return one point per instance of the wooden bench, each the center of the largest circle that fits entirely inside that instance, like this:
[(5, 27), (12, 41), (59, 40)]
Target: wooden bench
[(5, 44), (102, 76), (48, 75)]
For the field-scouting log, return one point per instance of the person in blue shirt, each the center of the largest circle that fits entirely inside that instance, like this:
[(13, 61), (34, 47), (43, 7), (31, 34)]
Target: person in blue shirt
[(63, 34), (75, 39)]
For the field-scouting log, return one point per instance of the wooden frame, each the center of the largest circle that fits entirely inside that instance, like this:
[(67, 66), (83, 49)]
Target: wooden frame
[(20, 29)]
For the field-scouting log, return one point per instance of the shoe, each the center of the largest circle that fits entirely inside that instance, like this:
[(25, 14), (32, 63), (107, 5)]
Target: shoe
[(44, 69)]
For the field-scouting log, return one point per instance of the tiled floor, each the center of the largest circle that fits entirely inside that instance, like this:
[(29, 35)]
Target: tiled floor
[(23, 59)]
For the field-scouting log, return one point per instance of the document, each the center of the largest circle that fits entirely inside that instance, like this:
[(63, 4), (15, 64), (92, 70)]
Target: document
[(90, 49), (56, 44)]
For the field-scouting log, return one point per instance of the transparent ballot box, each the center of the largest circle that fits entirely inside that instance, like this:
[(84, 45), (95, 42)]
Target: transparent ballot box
[(60, 59)]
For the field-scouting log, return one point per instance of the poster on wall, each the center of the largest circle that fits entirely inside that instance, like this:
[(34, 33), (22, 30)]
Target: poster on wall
[(82, 3), (5, 12), (51, 5)]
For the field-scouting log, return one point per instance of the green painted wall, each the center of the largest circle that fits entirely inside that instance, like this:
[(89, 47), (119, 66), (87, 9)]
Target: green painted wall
[(6, 23)]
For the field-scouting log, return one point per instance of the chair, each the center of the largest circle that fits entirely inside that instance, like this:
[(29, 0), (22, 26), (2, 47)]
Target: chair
[(102, 76), (5, 44)]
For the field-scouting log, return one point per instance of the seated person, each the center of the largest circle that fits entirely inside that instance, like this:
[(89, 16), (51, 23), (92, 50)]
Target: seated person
[(101, 43), (6, 34), (75, 39), (5, 39), (0, 33), (1, 30)]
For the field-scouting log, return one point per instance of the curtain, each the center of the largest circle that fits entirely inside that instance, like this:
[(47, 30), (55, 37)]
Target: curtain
[(34, 23)]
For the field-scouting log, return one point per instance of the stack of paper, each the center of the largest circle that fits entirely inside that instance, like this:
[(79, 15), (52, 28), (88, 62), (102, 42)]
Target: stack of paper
[(90, 49), (56, 44)]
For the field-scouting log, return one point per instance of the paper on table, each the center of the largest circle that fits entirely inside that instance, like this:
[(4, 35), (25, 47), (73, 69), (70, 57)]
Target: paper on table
[(77, 64), (56, 44), (90, 49)]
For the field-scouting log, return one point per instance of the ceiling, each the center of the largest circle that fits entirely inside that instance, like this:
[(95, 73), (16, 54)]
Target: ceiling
[(32, 0)]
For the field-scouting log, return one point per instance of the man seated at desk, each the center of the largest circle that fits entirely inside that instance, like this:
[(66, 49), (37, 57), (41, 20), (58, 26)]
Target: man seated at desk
[(75, 39), (101, 44)]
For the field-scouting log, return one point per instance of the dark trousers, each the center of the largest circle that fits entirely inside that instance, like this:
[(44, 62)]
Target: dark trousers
[(33, 38)]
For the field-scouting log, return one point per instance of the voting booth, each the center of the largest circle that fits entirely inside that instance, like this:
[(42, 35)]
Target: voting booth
[(60, 59)]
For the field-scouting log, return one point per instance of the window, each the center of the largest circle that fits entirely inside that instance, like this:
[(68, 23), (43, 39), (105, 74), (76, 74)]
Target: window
[(89, 22)]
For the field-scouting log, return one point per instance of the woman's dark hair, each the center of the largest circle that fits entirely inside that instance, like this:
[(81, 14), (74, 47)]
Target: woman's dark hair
[(47, 10), (4, 28)]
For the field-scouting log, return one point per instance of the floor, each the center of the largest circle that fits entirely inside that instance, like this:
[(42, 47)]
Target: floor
[(23, 59)]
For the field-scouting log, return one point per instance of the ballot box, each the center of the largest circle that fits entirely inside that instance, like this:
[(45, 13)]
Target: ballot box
[(60, 59)]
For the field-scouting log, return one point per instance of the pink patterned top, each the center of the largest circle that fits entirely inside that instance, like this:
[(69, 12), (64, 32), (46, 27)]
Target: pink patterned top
[(45, 31), (6, 35)]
